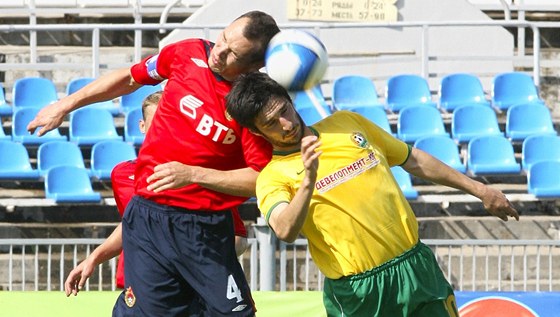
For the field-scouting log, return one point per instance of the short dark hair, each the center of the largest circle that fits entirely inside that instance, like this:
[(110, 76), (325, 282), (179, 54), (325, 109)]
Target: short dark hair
[(151, 100), (261, 28), (250, 93)]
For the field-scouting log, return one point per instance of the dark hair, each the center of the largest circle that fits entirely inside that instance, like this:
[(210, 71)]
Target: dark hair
[(261, 28), (251, 92)]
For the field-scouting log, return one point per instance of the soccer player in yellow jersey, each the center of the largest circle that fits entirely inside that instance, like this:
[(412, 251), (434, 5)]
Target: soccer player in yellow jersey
[(332, 182)]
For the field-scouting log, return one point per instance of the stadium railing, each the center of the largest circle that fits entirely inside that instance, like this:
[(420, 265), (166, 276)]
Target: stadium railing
[(470, 265)]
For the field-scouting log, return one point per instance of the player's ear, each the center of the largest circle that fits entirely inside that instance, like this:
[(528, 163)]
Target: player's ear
[(142, 126)]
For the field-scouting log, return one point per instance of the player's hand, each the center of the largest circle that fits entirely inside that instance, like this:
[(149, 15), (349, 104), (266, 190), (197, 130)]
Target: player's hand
[(170, 175), (497, 204), (310, 155), (78, 277), (48, 118)]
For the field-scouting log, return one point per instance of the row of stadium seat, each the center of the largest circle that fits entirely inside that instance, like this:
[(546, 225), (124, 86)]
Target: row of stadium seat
[(454, 90), (37, 92), (87, 126), (467, 121), (16, 163)]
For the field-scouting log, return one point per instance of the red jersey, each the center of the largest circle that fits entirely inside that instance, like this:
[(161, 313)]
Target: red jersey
[(191, 126)]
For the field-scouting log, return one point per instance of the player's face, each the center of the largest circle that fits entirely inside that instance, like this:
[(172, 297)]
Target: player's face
[(149, 112), (281, 125), (228, 57)]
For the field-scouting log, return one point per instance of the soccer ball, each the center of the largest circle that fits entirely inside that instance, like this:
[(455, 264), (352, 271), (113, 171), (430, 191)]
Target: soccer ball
[(296, 59)]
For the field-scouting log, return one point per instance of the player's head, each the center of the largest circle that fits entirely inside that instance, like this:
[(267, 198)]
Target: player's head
[(149, 106), (259, 103), (241, 46)]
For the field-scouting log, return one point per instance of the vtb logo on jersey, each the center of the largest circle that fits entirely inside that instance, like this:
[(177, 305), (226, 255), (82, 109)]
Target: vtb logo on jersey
[(207, 125)]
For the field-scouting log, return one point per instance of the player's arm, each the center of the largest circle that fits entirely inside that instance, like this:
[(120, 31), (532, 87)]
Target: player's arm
[(106, 87), (423, 165), (287, 219), (109, 249), (238, 182)]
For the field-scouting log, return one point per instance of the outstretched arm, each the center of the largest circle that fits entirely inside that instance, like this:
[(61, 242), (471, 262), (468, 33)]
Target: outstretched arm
[(109, 249), (238, 182), (423, 165), (106, 87)]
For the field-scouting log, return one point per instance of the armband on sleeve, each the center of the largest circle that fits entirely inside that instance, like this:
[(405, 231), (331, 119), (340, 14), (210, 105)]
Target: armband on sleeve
[(146, 72)]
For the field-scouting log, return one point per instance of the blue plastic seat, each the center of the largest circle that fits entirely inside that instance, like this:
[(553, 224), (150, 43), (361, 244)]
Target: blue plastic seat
[(106, 154), (459, 89), (494, 154), (35, 92), (90, 125), (404, 180), (20, 120), (132, 133), (77, 84), (444, 149), (543, 179), (513, 88), (310, 98), (311, 115), (136, 98), (540, 147), (471, 121), (376, 115), (415, 122), (523, 120), (353, 91), (6, 109), (69, 184), (14, 162), (59, 153), (407, 90)]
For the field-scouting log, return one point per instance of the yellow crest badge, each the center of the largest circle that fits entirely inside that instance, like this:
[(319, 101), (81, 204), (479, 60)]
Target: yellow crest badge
[(129, 297), (359, 139)]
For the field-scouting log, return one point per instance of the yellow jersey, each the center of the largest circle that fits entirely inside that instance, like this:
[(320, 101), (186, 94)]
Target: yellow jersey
[(358, 217)]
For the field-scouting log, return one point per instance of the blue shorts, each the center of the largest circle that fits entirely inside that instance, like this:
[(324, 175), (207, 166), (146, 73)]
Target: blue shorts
[(180, 263)]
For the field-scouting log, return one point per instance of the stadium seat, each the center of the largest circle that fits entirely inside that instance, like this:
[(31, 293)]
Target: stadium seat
[(539, 147), (135, 99), (132, 133), (59, 153), (513, 88), (375, 114), (69, 184), (444, 149), (352, 91), (415, 122), (459, 89), (404, 180), (543, 179), (77, 83), (311, 115), (33, 92), (523, 120), (106, 154), (6, 109), (407, 90), (20, 120), (14, 162), (308, 98), (493, 154), (90, 125), (471, 121)]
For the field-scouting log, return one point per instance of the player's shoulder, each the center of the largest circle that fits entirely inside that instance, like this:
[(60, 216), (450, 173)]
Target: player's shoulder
[(125, 168)]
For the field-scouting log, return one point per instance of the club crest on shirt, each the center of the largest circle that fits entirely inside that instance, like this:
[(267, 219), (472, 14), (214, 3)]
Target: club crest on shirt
[(129, 297), (360, 140)]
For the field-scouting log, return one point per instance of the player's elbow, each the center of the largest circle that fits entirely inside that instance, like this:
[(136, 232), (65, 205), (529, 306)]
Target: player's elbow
[(287, 235)]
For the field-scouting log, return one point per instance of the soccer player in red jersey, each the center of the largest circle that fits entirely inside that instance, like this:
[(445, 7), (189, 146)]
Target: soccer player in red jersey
[(196, 164)]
